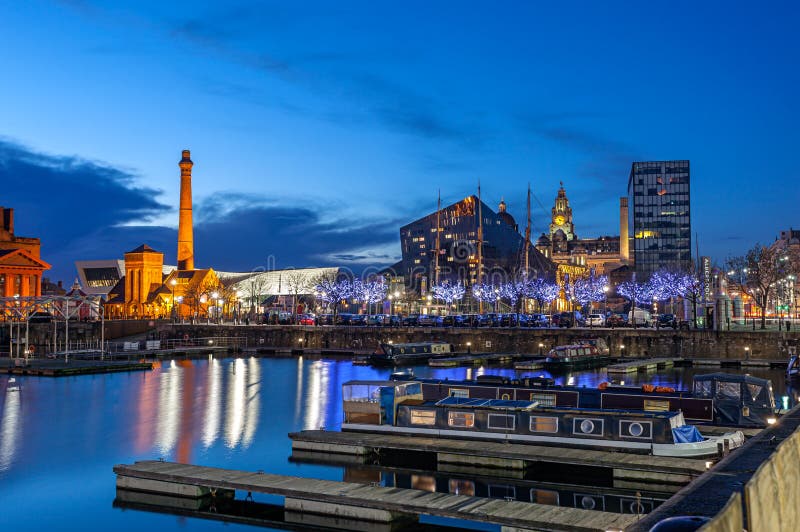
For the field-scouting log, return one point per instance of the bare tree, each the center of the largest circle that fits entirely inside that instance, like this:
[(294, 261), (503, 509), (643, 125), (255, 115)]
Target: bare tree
[(758, 272), (297, 284), (254, 289)]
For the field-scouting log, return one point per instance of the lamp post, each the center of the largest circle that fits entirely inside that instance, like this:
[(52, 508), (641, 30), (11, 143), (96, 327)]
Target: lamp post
[(469, 347), (605, 301), (622, 350), (214, 296), (541, 349), (391, 304), (172, 284), (747, 352), (397, 297)]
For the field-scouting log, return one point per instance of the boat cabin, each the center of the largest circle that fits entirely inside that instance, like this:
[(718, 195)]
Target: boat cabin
[(430, 348), (375, 402), (741, 400)]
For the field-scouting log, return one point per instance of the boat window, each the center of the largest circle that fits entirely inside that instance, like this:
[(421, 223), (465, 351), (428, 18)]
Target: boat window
[(505, 397), (423, 417), (502, 421), (544, 497), (362, 392), (755, 390), (702, 388), (502, 492), (653, 405), (729, 390), (459, 392), (461, 419), (544, 424), (462, 487), (544, 399)]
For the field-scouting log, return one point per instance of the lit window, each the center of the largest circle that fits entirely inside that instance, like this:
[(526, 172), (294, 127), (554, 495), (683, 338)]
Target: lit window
[(544, 424), (461, 419), (459, 392), (544, 399), (423, 417)]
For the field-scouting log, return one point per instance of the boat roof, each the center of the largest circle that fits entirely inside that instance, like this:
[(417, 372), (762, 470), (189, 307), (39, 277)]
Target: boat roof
[(731, 377), (388, 384), (487, 403), (416, 344)]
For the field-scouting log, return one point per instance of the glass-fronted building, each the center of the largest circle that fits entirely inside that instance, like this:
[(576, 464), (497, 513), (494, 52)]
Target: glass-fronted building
[(660, 217), (503, 249)]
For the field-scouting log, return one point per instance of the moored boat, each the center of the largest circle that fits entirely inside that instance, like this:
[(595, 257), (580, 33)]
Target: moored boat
[(411, 353), (399, 407), (576, 356)]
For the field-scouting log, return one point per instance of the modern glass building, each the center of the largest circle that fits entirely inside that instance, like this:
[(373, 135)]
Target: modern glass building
[(502, 252), (662, 231)]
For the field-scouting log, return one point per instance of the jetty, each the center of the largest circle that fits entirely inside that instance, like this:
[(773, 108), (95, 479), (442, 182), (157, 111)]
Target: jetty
[(616, 466), (361, 502), (475, 360), (646, 364), (59, 368)]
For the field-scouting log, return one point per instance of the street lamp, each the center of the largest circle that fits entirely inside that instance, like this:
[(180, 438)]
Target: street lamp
[(747, 352), (391, 305), (214, 296), (605, 300), (469, 347), (172, 284), (622, 350), (541, 349)]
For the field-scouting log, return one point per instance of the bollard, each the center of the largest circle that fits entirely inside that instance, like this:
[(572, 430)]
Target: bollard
[(720, 449), (726, 446)]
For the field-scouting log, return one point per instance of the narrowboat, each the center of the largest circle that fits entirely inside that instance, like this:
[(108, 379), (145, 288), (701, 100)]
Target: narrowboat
[(577, 356), (718, 398), (414, 353), (399, 408)]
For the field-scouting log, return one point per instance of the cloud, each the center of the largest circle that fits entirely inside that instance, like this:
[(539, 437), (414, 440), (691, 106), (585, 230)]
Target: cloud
[(84, 210)]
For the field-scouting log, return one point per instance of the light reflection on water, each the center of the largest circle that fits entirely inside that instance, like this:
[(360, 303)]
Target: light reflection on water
[(59, 438)]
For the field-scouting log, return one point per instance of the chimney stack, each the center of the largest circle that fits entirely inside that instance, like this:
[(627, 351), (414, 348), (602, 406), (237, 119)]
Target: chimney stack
[(185, 232), (624, 252), (8, 220)]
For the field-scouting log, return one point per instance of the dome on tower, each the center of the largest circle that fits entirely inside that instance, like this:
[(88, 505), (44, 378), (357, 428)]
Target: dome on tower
[(505, 216), (544, 240)]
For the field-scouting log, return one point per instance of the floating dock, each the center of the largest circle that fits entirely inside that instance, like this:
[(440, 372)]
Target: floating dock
[(635, 366), (621, 467), (530, 365), (475, 360), (358, 501), (58, 368)]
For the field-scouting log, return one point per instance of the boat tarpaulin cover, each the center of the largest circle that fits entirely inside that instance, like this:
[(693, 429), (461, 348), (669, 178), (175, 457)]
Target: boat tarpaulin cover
[(687, 434)]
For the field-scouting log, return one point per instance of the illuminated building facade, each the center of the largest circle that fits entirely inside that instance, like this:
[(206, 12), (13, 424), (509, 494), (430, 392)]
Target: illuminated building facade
[(562, 245), (662, 231), (460, 253), (21, 267)]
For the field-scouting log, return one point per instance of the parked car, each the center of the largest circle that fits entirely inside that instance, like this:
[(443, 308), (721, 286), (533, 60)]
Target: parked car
[(616, 320), (538, 320), (344, 318), (468, 320), (412, 320), (307, 319), (596, 320), (358, 319), (640, 317), (493, 319), (393, 321), (426, 320), (325, 319), (568, 319), (667, 320)]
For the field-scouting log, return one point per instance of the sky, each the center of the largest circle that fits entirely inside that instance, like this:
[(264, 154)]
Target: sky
[(317, 129)]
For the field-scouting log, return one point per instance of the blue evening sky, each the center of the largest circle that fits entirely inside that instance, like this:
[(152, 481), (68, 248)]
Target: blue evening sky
[(319, 128)]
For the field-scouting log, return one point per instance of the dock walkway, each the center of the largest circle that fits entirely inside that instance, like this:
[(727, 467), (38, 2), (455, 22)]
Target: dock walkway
[(641, 365), (374, 503), (475, 359), (58, 368), (625, 466)]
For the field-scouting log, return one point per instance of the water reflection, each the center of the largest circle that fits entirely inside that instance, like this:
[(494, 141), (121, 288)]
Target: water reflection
[(316, 398), (169, 408), (10, 425), (213, 411)]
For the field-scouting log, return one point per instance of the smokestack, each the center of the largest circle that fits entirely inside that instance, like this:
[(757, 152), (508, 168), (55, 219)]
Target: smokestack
[(8, 220), (185, 232), (624, 252)]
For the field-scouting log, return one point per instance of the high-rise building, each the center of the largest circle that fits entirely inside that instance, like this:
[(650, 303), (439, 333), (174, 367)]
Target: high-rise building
[(662, 231)]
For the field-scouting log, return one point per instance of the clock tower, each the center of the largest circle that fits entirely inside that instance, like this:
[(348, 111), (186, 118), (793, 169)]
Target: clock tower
[(561, 219)]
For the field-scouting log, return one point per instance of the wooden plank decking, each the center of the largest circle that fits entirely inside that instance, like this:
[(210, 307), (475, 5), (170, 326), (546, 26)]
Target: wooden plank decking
[(641, 365), (507, 451), (397, 500)]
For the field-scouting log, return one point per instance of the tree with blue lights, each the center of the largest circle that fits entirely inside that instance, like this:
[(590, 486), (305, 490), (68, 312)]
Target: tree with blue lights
[(332, 291), (587, 290), (448, 293), (542, 291)]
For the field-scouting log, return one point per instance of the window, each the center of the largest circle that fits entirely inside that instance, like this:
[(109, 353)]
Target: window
[(423, 417), (459, 392), (653, 405), (505, 397), (544, 399), (728, 390), (501, 421), (461, 419), (544, 424)]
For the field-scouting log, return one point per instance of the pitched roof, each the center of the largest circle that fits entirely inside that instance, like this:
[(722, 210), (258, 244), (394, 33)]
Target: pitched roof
[(144, 248), (7, 254)]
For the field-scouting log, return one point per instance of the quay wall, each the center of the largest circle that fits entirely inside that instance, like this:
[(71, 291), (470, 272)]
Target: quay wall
[(763, 345)]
